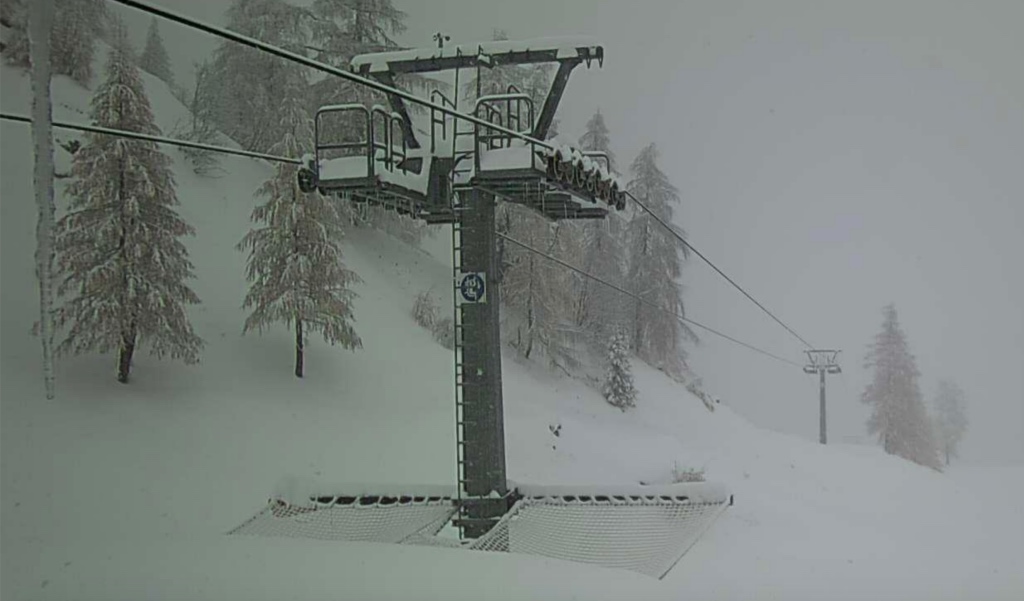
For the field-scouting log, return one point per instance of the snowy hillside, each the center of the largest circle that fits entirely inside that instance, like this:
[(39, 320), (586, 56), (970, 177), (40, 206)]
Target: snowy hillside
[(123, 491)]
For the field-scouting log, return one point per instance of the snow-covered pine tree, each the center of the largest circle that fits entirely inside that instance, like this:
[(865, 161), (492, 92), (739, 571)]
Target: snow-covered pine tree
[(950, 418), (619, 389), (599, 310), (655, 265), (77, 25), (341, 30), (200, 127), (535, 292), (346, 28), (246, 85), (121, 264), (295, 263), (898, 413), (154, 59), (14, 16), (9, 12), (596, 137)]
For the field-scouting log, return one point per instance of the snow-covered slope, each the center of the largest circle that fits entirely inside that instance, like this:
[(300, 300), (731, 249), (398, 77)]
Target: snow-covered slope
[(123, 492)]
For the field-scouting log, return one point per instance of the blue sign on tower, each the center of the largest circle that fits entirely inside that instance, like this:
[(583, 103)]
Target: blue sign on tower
[(473, 287)]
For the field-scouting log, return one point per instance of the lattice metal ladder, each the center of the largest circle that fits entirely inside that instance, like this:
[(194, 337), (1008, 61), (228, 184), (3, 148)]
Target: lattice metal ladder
[(457, 343), (457, 333)]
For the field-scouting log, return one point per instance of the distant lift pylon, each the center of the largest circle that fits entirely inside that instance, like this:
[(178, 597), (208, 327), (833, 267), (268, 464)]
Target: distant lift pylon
[(821, 362)]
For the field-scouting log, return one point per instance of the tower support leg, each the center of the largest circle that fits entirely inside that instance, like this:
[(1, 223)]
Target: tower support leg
[(482, 431)]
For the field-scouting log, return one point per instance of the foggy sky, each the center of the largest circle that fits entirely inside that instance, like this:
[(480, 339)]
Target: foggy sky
[(832, 157)]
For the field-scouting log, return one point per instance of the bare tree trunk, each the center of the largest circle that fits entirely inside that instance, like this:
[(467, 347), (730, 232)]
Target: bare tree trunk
[(636, 329), (582, 304), (40, 23), (298, 348), (125, 353)]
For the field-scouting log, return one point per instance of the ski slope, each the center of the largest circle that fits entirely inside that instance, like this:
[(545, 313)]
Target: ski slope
[(124, 492)]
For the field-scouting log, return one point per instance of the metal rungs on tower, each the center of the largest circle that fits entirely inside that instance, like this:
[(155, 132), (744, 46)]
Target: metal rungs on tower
[(457, 342), (457, 330)]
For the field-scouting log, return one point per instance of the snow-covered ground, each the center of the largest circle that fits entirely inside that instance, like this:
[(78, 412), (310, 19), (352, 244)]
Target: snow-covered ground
[(124, 492)]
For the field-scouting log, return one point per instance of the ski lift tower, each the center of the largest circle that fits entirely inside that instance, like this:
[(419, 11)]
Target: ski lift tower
[(445, 169), (455, 175)]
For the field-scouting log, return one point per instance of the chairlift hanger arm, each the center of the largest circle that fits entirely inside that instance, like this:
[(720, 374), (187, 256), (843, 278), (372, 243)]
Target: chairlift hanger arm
[(398, 106), (547, 113)]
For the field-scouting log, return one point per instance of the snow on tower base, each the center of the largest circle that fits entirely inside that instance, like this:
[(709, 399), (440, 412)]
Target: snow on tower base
[(645, 529)]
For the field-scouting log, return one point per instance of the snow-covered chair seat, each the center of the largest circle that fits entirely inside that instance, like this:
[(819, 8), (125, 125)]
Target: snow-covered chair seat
[(515, 157), (352, 171)]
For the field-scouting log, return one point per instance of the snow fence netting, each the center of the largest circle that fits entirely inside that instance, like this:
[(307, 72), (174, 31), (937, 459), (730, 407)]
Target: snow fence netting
[(645, 529), (384, 519)]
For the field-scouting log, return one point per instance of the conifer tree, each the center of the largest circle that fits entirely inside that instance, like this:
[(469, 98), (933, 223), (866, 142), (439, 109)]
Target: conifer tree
[(596, 137), (599, 310), (154, 57), (535, 291), (619, 389), (655, 264), (199, 126), (898, 414), (295, 263), (950, 418), (246, 85), (14, 16), (77, 25), (9, 12), (122, 267), (344, 29)]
